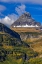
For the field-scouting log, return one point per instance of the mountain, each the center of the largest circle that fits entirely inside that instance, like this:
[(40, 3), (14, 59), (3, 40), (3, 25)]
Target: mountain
[(10, 37), (7, 30), (15, 51), (12, 48), (26, 20), (30, 31)]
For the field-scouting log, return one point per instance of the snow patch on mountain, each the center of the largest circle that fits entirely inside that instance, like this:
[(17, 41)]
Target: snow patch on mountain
[(27, 26)]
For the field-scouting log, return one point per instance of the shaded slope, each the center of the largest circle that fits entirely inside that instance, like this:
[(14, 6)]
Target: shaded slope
[(5, 29), (9, 37)]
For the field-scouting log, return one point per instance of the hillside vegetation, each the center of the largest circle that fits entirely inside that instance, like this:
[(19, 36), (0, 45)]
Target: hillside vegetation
[(34, 40), (14, 49)]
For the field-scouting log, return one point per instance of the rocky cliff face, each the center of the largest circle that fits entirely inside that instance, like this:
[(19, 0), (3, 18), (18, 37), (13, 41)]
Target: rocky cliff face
[(25, 19), (27, 35)]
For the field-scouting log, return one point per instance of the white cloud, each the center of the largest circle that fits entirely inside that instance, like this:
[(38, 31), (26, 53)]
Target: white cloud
[(8, 20), (13, 16), (20, 9), (23, 1), (2, 8)]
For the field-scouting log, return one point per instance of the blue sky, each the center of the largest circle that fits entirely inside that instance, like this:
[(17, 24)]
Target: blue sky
[(10, 10)]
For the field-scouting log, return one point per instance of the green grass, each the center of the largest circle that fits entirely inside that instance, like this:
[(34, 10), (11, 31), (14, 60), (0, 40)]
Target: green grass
[(35, 61)]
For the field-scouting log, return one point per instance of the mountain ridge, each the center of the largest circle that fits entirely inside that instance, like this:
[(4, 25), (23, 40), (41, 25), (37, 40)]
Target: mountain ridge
[(5, 29), (25, 19)]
